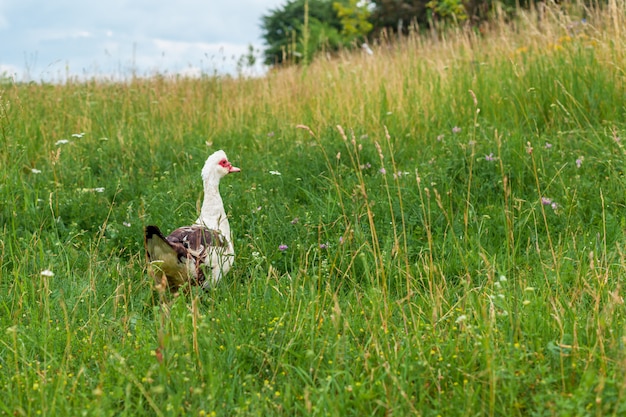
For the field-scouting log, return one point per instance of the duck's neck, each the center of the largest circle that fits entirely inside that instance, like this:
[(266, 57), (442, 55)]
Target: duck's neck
[(212, 214)]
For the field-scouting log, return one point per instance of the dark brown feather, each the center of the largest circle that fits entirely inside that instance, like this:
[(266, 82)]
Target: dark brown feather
[(193, 242), (190, 242), (197, 238)]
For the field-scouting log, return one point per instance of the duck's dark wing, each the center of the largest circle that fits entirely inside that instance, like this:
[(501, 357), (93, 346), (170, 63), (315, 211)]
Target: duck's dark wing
[(197, 239), (183, 253), (158, 246)]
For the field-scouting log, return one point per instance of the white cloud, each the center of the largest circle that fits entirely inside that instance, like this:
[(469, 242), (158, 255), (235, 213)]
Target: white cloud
[(191, 72), (8, 70), (82, 34), (70, 37), (178, 49)]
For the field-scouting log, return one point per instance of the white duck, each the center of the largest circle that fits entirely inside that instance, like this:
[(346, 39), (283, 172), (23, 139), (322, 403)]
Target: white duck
[(189, 252)]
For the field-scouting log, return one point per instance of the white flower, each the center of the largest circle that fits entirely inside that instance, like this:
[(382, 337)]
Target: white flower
[(126, 224), (62, 142), (400, 174), (78, 135), (461, 318), (46, 273), (35, 171), (275, 173), (91, 190)]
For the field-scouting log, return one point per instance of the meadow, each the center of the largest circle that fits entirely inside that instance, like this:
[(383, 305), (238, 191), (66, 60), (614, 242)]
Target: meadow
[(435, 229)]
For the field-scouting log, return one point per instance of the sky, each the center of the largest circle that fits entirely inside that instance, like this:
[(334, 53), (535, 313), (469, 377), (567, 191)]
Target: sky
[(49, 40)]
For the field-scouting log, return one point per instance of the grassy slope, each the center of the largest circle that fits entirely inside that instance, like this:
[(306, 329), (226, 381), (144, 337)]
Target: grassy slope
[(445, 289)]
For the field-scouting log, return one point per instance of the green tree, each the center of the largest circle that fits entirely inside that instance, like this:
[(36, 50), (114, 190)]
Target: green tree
[(398, 15), (299, 29), (448, 10), (354, 15)]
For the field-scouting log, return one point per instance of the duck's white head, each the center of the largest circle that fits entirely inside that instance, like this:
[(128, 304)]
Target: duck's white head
[(217, 166)]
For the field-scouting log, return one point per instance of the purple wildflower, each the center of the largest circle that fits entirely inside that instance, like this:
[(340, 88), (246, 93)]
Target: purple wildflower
[(546, 201), (283, 248), (490, 157), (548, 145), (456, 129), (295, 220), (323, 245), (382, 171), (340, 240), (579, 161)]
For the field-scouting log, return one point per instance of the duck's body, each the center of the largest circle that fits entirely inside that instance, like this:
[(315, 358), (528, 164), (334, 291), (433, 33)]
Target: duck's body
[(202, 253)]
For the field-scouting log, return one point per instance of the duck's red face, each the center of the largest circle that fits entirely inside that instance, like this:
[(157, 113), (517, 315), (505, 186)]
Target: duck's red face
[(225, 164)]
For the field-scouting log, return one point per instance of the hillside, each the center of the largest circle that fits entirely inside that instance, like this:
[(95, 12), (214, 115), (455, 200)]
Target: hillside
[(450, 213)]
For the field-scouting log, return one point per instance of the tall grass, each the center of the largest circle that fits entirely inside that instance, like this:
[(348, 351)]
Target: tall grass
[(453, 209)]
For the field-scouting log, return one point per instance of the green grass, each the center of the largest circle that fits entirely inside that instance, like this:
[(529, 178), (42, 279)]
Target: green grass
[(481, 274)]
